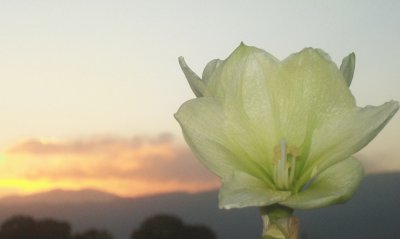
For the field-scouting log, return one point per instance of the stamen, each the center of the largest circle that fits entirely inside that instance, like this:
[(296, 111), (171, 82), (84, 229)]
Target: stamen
[(285, 167), (292, 169), (282, 164)]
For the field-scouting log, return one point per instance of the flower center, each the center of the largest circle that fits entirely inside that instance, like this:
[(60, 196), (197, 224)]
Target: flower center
[(285, 167)]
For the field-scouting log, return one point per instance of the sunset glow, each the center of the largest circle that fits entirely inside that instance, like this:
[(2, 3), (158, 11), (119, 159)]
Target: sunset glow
[(127, 167)]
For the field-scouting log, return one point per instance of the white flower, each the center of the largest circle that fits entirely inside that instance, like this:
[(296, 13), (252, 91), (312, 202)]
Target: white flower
[(279, 132)]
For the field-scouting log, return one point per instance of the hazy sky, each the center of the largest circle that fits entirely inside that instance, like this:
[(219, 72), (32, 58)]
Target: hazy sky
[(83, 81)]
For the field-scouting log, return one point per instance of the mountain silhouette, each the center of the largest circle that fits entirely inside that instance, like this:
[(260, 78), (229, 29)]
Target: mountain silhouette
[(372, 213), (59, 196)]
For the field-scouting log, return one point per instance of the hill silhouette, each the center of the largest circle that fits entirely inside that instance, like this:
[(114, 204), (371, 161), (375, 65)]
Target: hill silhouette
[(59, 196), (371, 214)]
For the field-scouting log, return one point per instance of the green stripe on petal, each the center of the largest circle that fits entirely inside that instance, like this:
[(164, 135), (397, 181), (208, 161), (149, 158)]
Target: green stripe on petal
[(335, 185), (243, 190)]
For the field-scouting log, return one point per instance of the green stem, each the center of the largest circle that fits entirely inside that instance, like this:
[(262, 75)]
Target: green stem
[(279, 223)]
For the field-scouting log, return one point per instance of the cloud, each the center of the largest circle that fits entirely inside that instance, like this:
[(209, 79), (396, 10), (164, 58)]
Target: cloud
[(128, 166)]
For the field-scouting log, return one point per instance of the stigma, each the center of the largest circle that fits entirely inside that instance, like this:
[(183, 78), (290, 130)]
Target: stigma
[(285, 165)]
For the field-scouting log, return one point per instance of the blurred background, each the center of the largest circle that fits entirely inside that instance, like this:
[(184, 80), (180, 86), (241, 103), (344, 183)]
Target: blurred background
[(89, 88)]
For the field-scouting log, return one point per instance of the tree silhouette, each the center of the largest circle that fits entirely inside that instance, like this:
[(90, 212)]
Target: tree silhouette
[(18, 227), (93, 234), (159, 227), (25, 227), (170, 227), (52, 229)]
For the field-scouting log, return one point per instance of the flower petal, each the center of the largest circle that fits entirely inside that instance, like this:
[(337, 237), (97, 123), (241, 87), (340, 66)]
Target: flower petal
[(243, 190), (312, 89), (197, 85), (202, 121), (340, 137), (210, 69), (335, 185), (347, 67), (244, 82)]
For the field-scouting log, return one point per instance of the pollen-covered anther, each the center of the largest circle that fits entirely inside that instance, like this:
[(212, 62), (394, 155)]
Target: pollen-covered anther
[(285, 164)]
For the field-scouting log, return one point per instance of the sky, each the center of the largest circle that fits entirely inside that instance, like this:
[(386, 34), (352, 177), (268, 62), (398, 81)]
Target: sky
[(89, 88)]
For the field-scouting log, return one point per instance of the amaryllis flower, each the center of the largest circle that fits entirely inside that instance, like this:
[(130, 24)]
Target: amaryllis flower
[(279, 132)]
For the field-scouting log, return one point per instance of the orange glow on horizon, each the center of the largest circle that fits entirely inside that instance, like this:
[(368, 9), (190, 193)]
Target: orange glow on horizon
[(114, 165), (23, 187)]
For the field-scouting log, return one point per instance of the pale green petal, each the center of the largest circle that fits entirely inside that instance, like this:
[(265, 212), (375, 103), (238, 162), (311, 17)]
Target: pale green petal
[(347, 67), (335, 185), (321, 52), (243, 190), (244, 82), (197, 85), (228, 76), (210, 69), (312, 88), (202, 121), (345, 134)]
